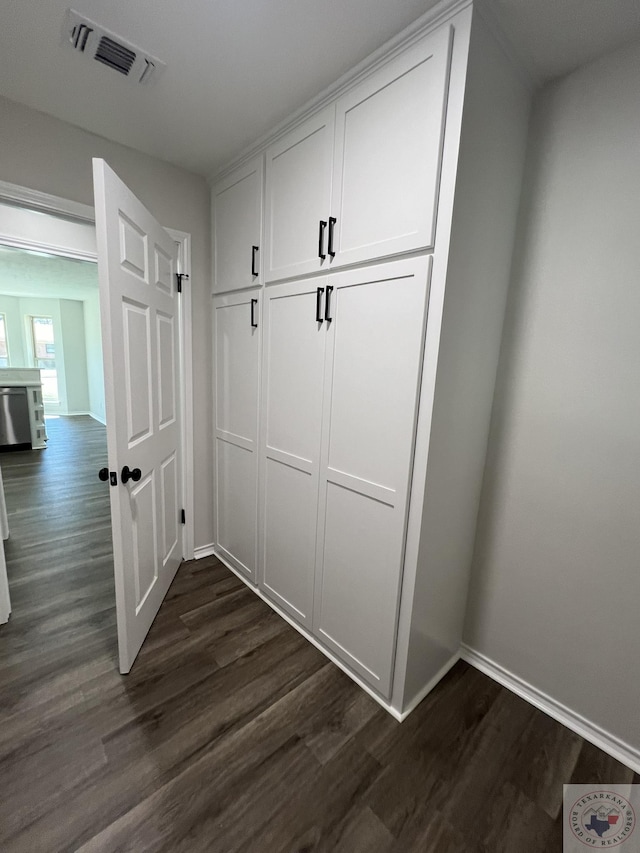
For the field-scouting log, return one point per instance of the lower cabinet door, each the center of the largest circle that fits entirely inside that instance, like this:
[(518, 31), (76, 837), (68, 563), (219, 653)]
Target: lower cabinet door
[(236, 329), (374, 357), (292, 387)]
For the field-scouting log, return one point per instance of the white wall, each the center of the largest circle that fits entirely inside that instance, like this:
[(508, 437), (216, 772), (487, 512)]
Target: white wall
[(52, 156), (75, 355), (93, 349), (555, 596)]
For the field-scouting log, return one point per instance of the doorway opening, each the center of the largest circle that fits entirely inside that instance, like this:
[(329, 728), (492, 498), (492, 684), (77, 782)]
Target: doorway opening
[(67, 513)]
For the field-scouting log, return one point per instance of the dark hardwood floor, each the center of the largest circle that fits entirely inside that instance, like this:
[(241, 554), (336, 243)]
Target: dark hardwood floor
[(232, 732)]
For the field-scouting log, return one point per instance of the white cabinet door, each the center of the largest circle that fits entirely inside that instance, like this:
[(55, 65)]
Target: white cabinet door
[(389, 133), (292, 385), (237, 228), (236, 328), (298, 193), (373, 367)]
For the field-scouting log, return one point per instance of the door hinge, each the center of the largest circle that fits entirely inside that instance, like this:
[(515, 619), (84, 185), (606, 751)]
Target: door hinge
[(179, 277), (183, 517)]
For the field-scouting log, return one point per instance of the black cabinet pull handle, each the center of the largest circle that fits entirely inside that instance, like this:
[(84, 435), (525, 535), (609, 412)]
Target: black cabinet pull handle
[(126, 474), (330, 249), (321, 253), (103, 474), (254, 252), (327, 305), (319, 293), (254, 325)]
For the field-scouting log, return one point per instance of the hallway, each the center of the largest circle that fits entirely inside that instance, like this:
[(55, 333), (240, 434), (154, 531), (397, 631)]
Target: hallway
[(232, 732)]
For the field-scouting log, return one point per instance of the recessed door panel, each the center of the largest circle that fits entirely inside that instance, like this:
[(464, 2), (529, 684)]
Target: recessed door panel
[(360, 582), (236, 365), (133, 247), (169, 497), (289, 537), (295, 364), (166, 369), (236, 504), (145, 554), (377, 344), (164, 270), (137, 378)]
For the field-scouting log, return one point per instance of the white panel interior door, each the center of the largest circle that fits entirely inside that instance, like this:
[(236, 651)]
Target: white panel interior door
[(236, 328), (389, 132), (237, 226), (140, 337), (294, 346), (373, 369), (298, 192)]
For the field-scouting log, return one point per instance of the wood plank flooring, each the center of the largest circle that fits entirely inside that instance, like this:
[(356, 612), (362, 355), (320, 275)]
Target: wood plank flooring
[(232, 732)]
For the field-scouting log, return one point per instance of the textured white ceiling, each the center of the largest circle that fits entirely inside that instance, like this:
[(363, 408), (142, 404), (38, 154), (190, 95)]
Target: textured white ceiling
[(235, 68), (34, 274)]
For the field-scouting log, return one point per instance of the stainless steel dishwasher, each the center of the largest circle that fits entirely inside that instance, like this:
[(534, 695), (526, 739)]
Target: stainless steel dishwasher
[(15, 428)]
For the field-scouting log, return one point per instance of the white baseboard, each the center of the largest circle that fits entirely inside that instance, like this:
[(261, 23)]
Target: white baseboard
[(397, 715), (428, 687), (607, 742), (204, 551)]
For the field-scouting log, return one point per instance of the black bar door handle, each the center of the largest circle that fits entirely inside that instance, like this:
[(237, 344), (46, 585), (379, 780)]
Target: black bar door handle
[(321, 253), (319, 293), (330, 249), (126, 474), (327, 305), (254, 325), (254, 252)]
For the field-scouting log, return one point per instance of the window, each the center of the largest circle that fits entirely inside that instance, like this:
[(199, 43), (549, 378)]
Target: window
[(44, 356), (4, 350)]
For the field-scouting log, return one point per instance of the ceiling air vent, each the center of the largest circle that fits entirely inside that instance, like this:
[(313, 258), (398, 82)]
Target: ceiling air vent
[(99, 44)]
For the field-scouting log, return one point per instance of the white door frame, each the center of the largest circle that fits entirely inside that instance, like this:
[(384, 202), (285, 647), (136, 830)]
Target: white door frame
[(36, 200)]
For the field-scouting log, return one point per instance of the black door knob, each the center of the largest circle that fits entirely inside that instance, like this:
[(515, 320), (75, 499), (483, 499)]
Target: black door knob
[(127, 475), (103, 474)]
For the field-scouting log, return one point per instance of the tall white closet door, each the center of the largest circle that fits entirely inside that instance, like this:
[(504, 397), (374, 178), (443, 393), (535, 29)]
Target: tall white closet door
[(236, 380), (298, 193), (374, 350), (293, 366), (389, 132)]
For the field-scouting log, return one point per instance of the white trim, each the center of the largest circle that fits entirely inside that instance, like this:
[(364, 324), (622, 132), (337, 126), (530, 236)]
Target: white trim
[(397, 715), (430, 21), (49, 248), (590, 731), (186, 392), (34, 199), (204, 551), (428, 687)]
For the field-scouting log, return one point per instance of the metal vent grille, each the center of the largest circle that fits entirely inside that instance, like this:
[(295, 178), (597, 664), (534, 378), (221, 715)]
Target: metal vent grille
[(115, 55), (93, 41)]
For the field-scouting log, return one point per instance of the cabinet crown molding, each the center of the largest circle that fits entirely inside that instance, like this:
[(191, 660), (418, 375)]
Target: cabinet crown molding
[(431, 20)]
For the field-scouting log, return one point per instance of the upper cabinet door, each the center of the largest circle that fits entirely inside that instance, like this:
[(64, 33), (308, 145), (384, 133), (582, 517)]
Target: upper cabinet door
[(299, 198), (237, 228), (388, 145)]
